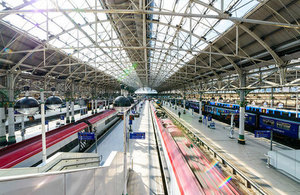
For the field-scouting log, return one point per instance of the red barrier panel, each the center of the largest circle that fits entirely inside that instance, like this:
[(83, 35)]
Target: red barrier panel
[(16, 153), (97, 118)]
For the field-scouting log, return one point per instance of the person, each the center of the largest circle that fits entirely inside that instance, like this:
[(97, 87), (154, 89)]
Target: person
[(179, 114)]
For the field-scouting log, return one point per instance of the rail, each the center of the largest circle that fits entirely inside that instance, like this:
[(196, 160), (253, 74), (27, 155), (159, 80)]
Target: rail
[(161, 157), (235, 171)]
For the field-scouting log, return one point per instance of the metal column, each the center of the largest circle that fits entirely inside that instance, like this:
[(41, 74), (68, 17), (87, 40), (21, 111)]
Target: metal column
[(184, 101), (44, 153), (241, 139), (22, 128), (125, 153), (272, 97), (92, 107), (3, 140), (96, 106), (200, 105), (11, 119), (297, 103), (72, 111), (67, 112)]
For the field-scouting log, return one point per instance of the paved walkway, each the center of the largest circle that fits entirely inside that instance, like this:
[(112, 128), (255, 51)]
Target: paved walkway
[(145, 176), (249, 158)]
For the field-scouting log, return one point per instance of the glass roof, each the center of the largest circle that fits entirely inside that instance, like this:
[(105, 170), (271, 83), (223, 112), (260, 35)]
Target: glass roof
[(174, 40)]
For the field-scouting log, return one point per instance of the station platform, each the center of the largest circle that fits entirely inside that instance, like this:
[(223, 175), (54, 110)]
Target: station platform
[(249, 158), (144, 175)]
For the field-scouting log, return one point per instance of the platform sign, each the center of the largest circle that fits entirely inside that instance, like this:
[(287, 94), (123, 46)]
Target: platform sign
[(62, 117), (86, 136), (137, 135), (263, 133), (46, 122), (209, 118)]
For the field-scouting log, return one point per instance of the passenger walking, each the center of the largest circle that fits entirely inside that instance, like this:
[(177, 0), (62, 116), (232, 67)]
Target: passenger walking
[(179, 113)]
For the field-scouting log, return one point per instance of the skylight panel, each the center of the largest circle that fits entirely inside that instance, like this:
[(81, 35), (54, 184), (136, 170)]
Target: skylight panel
[(102, 16), (90, 18), (181, 6), (243, 7), (198, 9), (37, 32), (63, 22), (68, 51), (223, 25), (15, 3), (18, 21), (168, 5), (77, 18), (62, 3), (57, 43), (176, 20), (54, 28)]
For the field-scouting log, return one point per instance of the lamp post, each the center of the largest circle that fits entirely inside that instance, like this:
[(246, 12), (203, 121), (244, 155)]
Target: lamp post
[(28, 106), (44, 153), (122, 104)]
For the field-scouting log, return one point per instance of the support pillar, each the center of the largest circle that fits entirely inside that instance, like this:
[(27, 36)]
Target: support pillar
[(297, 103), (200, 105), (11, 117), (3, 140), (241, 139), (272, 97), (23, 128), (72, 111), (44, 153), (184, 101), (67, 112), (184, 105), (93, 107), (96, 106)]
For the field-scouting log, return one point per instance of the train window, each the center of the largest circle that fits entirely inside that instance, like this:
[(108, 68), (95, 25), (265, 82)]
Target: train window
[(268, 122), (285, 114), (282, 125)]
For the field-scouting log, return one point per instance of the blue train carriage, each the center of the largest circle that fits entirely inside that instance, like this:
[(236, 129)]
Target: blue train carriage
[(251, 120), (195, 106), (280, 126)]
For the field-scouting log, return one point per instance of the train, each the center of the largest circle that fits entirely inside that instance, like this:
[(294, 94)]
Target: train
[(283, 122), (158, 102), (63, 139), (182, 180), (188, 104)]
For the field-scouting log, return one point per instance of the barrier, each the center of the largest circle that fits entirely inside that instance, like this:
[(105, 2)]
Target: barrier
[(108, 179)]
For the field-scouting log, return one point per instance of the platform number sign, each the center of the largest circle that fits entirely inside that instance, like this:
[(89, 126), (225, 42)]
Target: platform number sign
[(137, 135), (263, 133), (86, 136)]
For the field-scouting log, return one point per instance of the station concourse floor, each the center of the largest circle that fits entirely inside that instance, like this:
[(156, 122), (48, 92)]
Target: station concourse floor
[(144, 175), (249, 158)]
